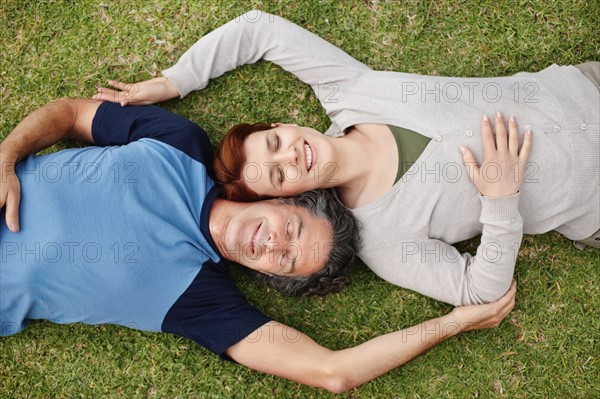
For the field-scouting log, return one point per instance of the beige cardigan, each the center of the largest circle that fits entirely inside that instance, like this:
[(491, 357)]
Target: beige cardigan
[(407, 232)]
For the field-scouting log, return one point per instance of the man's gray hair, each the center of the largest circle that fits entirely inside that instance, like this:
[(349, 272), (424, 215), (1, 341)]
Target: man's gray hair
[(343, 247)]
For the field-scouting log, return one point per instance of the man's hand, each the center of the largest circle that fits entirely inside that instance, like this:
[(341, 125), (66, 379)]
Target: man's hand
[(503, 168), (56, 121), (10, 192), (474, 317), (142, 93)]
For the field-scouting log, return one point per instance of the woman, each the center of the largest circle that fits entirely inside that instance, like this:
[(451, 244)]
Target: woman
[(399, 161)]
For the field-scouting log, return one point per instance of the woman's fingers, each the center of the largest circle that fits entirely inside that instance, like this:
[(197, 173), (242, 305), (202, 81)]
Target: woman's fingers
[(500, 129), (106, 95), (123, 97), (470, 162), (140, 93), (128, 90), (487, 135), (118, 85), (513, 137), (526, 148)]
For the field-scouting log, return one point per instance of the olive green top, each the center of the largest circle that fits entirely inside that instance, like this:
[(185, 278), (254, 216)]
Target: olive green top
[(410, 147)]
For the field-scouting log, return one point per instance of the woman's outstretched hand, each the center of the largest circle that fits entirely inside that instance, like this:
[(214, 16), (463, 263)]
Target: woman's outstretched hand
[(142, 93), (503, 168)]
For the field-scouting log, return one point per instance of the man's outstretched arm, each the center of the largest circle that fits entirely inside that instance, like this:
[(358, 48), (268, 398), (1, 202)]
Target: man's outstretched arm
[(280, 350), (54, 122)]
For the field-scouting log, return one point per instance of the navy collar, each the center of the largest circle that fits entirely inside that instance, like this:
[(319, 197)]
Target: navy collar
[(214, 192)]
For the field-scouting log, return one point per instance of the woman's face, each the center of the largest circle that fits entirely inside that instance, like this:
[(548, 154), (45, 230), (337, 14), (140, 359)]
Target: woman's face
[(288, 160)]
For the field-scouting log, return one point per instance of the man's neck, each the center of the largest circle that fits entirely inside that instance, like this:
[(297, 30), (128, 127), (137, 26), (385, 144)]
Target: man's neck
[(219, 218)]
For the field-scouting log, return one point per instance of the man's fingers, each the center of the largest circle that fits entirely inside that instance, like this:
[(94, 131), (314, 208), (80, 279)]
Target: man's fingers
[(487, 135), (512, 290), (506, 311), (3, 196), (509, 306), (526, 148), (506, 304), (509, 295), (501, 142), (470, 162), (12, 211), (513, 136)]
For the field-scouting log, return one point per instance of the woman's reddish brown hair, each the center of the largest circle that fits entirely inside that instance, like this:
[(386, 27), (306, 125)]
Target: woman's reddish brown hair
[(230, 161)]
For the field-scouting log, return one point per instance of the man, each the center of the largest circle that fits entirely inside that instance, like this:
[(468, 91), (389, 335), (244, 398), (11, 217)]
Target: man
[(131, 231)]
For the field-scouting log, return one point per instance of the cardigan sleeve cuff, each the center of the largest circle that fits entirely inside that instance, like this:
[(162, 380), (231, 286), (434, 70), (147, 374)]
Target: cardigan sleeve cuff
[(500, 208), (183, 80)]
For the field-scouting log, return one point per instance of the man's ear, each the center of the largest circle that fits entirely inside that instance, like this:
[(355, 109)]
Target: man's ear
[(282, 124)]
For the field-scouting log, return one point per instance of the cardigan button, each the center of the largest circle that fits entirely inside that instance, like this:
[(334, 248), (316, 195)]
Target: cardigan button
[(556, 128), (527, 127), (583, 126), (437, 137), (469, 133)]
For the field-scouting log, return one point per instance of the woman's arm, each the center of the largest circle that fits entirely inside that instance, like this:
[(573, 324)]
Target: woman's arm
[(258, 35), (284, 351), (245, 40), (437, 269)]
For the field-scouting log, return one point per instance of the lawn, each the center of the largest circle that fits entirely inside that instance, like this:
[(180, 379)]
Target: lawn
[(549, 347)]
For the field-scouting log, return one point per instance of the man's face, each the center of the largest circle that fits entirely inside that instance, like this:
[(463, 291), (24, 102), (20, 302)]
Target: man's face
[(274, 238)]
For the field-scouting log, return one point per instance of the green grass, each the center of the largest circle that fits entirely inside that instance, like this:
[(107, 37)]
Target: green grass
[(549, 347)]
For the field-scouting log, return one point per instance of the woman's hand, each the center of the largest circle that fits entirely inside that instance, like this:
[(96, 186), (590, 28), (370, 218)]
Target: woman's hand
[(475, 317), (503, 168), (142, 93)]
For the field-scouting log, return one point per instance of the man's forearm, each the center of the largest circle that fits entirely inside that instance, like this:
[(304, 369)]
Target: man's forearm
[(281, 350), (284, 351), (41, 129), (384, 353)]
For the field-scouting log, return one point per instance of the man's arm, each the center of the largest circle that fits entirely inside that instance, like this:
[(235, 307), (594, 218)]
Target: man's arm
[(280, 350), (54, 122)]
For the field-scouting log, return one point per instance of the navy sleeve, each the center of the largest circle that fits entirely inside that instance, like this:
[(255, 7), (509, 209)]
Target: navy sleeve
[(213, 312), (116, 125)]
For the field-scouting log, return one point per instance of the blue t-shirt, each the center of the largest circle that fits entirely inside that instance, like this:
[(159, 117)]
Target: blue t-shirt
[(118, 233)]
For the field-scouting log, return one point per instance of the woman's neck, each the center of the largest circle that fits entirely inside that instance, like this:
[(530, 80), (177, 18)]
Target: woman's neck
[(356, 153), (368, 164)]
